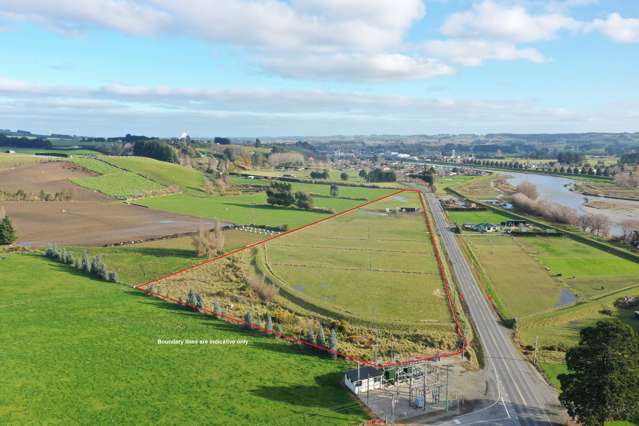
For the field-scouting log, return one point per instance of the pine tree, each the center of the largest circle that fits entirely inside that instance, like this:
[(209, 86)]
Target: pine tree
[(333, 341), (7, 231), (191, 298), (85, 265), (269, 325), (217, 310), (310, 335), (113, 277), (199, 302), (248, 319), (321, 338), (280, 329)]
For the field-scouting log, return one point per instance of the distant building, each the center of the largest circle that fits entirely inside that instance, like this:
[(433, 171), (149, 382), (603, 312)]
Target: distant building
[(363, 379), (185, 137)]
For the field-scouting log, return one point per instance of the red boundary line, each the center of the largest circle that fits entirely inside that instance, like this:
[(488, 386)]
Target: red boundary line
[(239, 321)]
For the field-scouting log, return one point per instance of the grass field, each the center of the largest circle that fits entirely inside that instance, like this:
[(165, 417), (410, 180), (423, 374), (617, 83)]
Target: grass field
[(482, 188), (161, 172), (443, 182), (320, 188), (251, 208), (76, 350), (375, 267), (478, 216), (333, 175), (138, 263), (114, 182), (528, 274), (9, 161), (561, 327)]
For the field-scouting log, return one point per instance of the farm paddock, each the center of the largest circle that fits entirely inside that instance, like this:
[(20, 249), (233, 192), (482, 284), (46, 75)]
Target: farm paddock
[(86, 351), (39, 223), (372, 263), (50, 177)]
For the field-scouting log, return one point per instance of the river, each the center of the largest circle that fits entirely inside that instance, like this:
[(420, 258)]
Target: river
[(557, 189)]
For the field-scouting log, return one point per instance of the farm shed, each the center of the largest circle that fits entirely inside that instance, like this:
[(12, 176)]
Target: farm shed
[(513, 223), (363, 379)]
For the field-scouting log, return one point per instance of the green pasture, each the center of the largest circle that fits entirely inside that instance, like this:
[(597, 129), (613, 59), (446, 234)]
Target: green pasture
[(375, 267), (588, 271), (528, 273), (334, 175), (113, 181), (443, 182), (78, 350), (561, 327), (251, 208), (476, 216), (320, 188), (518, 284), (161, 172), (138, 263)]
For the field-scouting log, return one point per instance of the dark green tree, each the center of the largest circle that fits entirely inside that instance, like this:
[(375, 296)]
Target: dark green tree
[(334, 190), (7, 231), (303, 200), (343, 176), (602, 382), (269, 325), (321, 337), (279, 194)]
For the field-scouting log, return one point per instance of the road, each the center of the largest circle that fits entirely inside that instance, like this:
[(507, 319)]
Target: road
[(519, 394)]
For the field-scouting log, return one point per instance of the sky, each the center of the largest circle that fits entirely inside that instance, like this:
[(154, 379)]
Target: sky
[(248, 68)]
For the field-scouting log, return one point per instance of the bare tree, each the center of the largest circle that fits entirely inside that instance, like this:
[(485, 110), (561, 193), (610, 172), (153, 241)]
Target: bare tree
[(286, 158), (598, 224), (264, 290), (629, 228), (205, 242), (219, 236), (208, 186), (528, 189)]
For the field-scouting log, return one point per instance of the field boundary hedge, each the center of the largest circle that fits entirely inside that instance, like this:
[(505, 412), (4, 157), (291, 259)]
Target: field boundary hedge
[(143, 287)]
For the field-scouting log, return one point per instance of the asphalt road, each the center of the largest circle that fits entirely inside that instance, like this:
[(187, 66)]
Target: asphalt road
[(519, 394)]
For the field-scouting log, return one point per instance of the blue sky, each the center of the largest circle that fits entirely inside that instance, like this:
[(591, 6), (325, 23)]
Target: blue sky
[(318, 67)]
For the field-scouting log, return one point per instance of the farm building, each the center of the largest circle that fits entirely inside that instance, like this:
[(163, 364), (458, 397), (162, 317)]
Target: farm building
[(481, 227), (363, 379), (514, 223)]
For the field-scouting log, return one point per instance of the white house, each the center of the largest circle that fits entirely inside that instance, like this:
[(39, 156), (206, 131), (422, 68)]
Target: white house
[(363, 379)]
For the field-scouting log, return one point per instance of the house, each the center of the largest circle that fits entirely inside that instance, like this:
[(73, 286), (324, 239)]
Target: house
[(10, 151), (470, 226), (408, 209), (363, 379), (487, 227), (514, 223)]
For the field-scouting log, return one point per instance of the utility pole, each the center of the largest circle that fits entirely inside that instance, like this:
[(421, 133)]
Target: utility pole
[(447, 388)]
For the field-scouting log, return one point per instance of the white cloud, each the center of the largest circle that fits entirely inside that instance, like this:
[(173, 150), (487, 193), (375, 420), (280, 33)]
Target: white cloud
[(618, 28), (475, 52), (493, 20), (122, 15)]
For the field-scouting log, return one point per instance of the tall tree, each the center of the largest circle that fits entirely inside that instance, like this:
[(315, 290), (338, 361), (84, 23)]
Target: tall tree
[(334, 190), (603, 375), (7, 231)]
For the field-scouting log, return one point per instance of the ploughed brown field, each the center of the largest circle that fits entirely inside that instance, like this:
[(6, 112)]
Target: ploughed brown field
[(88, 218), (51, 177), (93, 223)]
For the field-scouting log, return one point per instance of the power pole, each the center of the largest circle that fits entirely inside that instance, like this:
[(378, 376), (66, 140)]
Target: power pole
[(447, 387)]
